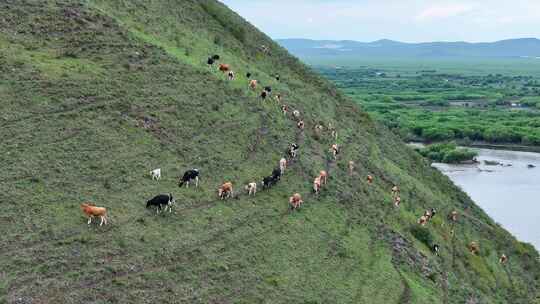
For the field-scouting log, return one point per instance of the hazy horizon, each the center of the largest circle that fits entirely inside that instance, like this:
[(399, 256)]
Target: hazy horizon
[(409, 21)]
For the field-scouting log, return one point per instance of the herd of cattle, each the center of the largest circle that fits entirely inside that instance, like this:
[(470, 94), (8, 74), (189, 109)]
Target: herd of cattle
[(164, 202)]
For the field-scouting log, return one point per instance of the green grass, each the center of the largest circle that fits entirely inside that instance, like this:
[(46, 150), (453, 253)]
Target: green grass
[(78, 80)]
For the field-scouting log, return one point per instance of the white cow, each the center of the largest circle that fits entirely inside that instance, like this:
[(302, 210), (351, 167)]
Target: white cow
[(156, 174)]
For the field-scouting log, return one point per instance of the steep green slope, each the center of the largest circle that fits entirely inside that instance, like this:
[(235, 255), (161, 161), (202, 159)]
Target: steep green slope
[(95, 94)]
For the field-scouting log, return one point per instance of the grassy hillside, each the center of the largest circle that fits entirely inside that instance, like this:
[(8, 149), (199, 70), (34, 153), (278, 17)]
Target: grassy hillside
[(94, 94)]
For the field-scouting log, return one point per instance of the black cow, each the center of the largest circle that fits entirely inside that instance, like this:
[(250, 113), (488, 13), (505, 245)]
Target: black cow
[(210, 61), (248, 75), (268, 182), (264, 94), (215, 57), (276, 174), (189, 175), (161, 200), (277, 77)]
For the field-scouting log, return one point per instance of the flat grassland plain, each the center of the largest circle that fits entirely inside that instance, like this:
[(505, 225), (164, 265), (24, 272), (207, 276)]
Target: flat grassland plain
[(472, 101)]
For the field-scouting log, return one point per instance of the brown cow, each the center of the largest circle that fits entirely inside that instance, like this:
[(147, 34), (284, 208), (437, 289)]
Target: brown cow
[(226, 190), (324, 177), (295, 201), (253, 84), (92, 211), (224, 67), (474, 248), (369, 179), (423, 220), (503, 259)]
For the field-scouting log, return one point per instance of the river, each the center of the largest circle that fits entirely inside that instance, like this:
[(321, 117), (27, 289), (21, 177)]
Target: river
[(509, 194)]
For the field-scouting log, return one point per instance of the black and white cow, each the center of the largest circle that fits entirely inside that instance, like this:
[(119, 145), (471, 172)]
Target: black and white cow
[(293, 150), (268, 89), (190, 175), (161, 201), (436, 249)]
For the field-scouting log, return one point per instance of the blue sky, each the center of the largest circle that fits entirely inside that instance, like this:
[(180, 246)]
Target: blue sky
[(404, 20)]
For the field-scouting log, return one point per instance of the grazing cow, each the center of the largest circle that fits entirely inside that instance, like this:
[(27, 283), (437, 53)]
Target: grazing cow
[(423, 220), (248, 75), (161, 201), (188, 176), (265, 49), (474, 248), (317, 185), (92, 211), (300, 125), (284, 109), (253, 84), (251, 188), (230, 75), (156, 174), (264, 94), (268, 182), (277, 77), (278, 98), (436, 249), (324, 177), (503, 259), (282, 165), (268, 89), (369, 179), (215, 57), (276, 174), (295, 201), (433, 212), (318, 130), (335, 150), (333, 133), (453, 216), (210, 61), (395, 190), (296, 114), (397, 201), (224, 67), (293, 150), (351, 167), (226, 190)]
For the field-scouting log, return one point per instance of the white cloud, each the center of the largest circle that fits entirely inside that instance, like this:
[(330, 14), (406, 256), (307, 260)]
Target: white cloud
[(404, 20), (444, 11)]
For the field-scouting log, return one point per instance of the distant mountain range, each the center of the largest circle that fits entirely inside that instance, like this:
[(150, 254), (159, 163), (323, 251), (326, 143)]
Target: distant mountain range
[(526, 47)]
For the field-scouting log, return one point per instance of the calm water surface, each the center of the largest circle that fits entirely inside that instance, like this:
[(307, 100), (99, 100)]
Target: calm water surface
[(509, 194)]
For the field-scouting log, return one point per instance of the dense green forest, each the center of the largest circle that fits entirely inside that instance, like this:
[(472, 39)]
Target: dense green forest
[(431, 105)]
